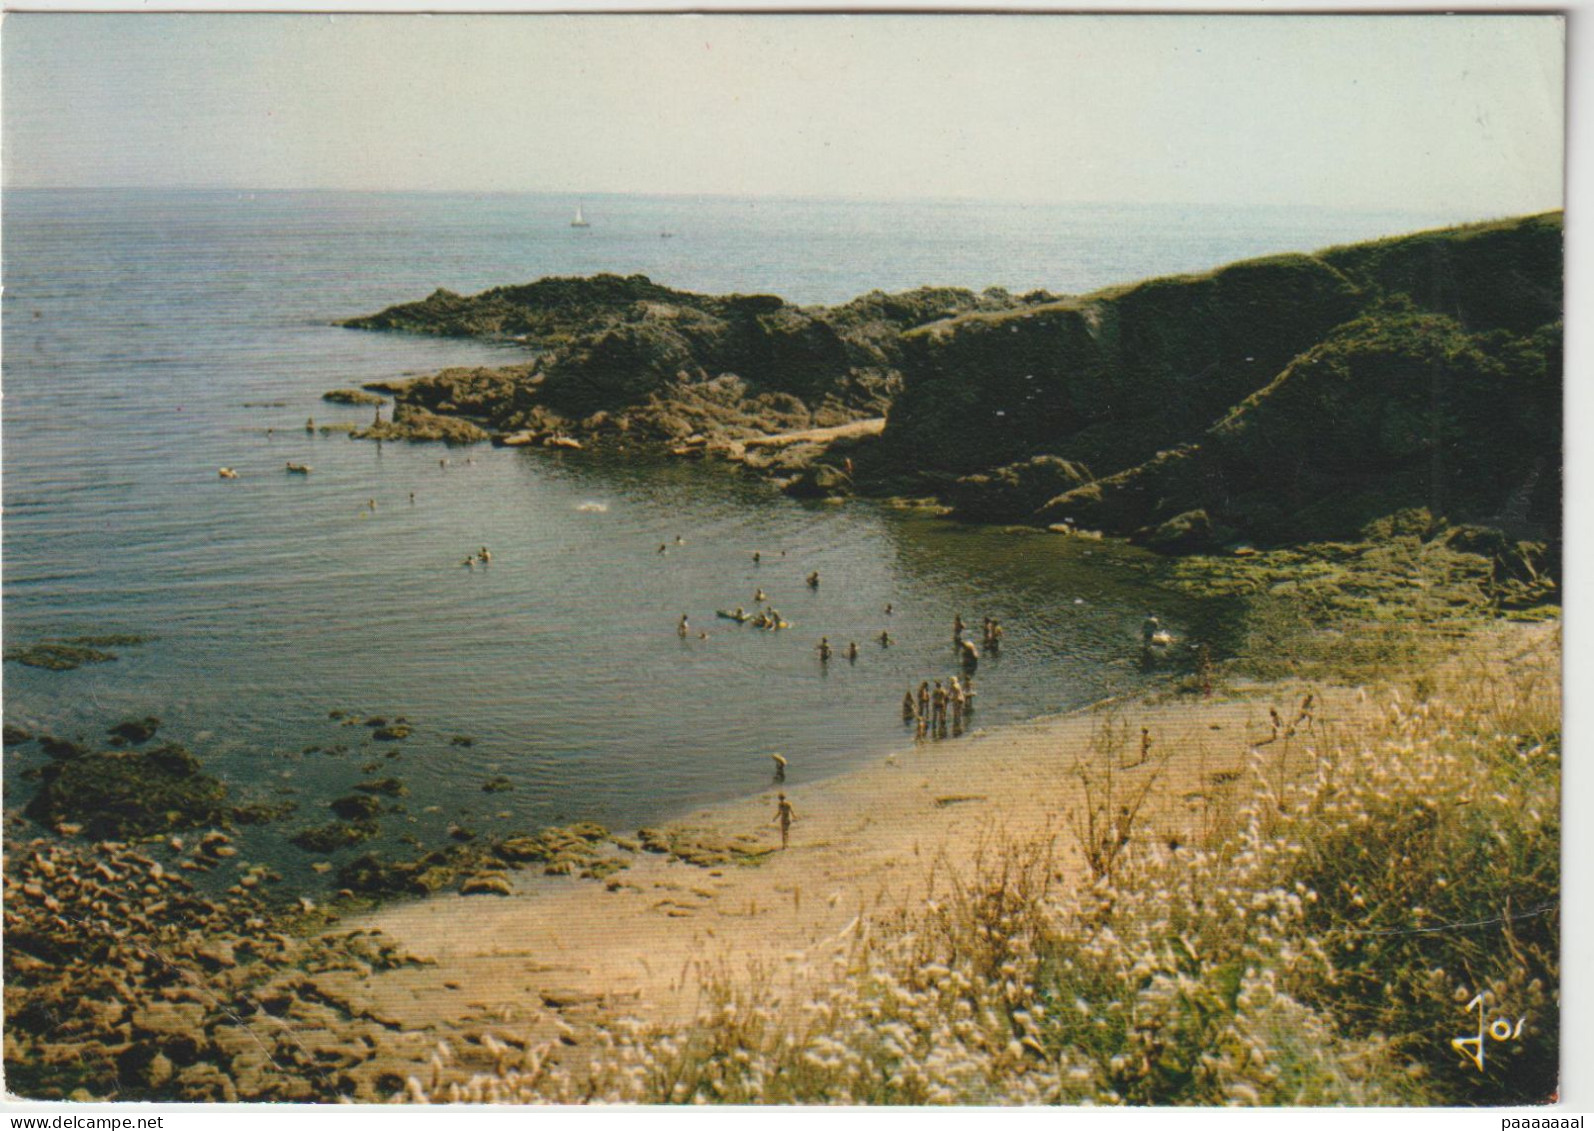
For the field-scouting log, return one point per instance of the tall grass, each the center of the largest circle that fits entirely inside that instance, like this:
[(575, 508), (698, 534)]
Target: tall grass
[(1320, 945)]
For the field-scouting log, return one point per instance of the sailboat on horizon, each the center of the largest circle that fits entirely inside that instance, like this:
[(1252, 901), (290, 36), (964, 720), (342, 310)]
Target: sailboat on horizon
[(580, 221)]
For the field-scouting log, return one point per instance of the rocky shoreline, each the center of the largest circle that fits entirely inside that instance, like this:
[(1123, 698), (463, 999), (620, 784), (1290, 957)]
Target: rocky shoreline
[(125, 982), (1167, 411), (147, 957)]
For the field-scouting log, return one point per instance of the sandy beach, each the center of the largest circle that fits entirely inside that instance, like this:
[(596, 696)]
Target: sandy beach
[(867, 844)]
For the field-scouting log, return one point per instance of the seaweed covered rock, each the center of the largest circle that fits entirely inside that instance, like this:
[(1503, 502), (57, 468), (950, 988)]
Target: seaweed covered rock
[(572, 850), (58, 655), (335, 835), (352, 396), (123, 794), (356, 807), (370, 874), (62, 749), (136, 730), (74, 651), (411, 422), (392, 787), (543, 312), (487, 883), (703, 848), (1349, 431)]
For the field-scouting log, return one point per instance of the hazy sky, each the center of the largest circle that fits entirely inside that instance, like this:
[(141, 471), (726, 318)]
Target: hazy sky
[(1459, 114)]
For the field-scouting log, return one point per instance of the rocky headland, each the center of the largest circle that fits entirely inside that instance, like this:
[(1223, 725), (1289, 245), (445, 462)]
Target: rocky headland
[(1278, 401)]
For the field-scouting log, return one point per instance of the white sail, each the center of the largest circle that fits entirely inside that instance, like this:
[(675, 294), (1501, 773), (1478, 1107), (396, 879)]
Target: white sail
[(579, 221)]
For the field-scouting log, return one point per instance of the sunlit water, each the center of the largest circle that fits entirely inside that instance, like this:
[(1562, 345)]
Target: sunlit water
[(152, 338)]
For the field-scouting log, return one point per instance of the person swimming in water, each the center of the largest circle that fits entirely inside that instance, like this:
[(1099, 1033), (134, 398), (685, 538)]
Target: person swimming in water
[(683, 628), (908, 711), (885, 639), (760, 596), (852, 651), (757, 557), (485, 555), (813, 580), (780, 767), (824, 649)]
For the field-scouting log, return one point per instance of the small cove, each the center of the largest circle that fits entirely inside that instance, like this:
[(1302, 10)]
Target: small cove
[(152, 338)]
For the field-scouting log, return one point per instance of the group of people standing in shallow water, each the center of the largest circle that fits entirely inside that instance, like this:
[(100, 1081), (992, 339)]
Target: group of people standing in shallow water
[(935, 709), (940, 709)]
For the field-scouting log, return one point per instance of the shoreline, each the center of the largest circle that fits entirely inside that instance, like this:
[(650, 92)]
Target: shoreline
[(417, 995), (868, 844)]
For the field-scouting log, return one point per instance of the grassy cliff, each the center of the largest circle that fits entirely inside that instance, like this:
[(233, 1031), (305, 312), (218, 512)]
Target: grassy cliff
[(1282, 399)]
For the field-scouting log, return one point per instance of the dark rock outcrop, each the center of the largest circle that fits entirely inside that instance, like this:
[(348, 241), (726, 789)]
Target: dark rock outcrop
[(124, 794), (351, 396), (628, 356)]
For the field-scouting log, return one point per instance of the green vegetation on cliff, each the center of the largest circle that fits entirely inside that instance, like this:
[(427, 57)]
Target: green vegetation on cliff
[(1280, 400)]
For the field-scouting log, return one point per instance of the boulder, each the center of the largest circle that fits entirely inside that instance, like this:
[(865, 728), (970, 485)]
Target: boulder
[(1189, 533), (136, 730)]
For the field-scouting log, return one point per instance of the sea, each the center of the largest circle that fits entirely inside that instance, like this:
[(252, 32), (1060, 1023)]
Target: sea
[(153, 337)]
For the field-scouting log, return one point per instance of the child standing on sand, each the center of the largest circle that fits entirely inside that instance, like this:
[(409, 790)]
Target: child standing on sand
[(784, 816)]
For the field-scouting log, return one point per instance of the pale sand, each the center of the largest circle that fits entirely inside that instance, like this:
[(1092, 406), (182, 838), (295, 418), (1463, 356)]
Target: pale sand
[(852, 430), (873, 841)]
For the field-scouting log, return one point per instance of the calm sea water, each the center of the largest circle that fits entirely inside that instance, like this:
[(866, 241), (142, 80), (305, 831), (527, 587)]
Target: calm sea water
[(152, 337)]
